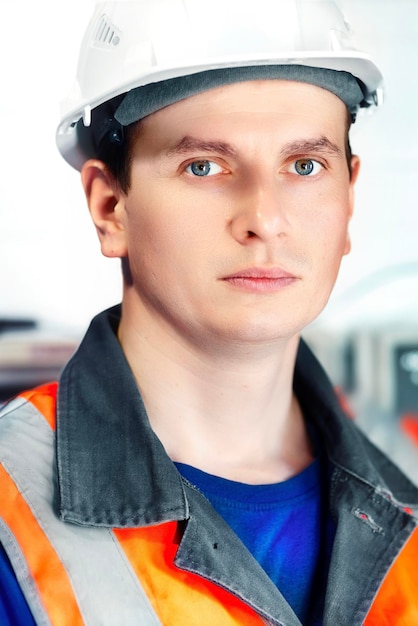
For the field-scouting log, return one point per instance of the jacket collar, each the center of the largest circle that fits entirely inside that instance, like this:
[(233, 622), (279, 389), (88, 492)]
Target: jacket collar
[(112, 469), (346, 446)]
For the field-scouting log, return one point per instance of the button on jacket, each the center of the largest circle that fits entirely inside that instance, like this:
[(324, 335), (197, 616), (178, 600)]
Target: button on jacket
[(101, 528)]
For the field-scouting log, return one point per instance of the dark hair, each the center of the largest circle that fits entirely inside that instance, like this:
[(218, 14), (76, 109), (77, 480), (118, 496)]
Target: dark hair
[(107, 140), (116, 152), (348, 151)]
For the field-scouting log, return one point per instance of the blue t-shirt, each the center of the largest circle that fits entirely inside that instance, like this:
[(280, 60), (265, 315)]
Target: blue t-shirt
[(284, 526), (14, 610)]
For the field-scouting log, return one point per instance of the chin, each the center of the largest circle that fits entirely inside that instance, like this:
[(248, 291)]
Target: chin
[(258, 332)]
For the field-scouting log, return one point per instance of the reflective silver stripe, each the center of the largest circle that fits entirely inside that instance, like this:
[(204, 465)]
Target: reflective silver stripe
[(105, 585)]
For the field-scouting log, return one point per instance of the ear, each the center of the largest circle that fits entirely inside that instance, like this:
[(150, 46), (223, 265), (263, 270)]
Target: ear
[(355, 168), (106, 205)]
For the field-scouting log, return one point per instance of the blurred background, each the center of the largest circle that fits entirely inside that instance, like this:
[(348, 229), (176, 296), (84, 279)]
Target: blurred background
[(53, 278)]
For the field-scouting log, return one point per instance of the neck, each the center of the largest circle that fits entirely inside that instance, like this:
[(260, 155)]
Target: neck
[(228, 412)]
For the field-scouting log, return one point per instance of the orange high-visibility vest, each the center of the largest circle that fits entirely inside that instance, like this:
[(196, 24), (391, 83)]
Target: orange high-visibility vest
[(73, 575)]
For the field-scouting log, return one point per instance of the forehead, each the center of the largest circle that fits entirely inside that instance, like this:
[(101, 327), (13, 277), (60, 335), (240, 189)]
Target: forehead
[(268, 104), (251, 117)]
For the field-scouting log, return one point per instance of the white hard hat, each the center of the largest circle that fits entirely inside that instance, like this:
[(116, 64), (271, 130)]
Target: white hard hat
[(130, 44)]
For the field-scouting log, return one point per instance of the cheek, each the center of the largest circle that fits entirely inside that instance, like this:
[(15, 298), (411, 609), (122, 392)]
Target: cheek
[(328, 233), (165, 237), (334, 247)]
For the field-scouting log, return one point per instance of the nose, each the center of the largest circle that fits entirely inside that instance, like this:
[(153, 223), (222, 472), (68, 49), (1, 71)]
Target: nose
[(260, 213)]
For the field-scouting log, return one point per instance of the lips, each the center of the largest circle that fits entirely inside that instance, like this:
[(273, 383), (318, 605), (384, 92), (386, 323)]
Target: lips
[(260, 279)]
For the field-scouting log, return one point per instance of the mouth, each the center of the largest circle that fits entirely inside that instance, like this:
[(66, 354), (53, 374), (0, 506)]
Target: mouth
[(261, 280)]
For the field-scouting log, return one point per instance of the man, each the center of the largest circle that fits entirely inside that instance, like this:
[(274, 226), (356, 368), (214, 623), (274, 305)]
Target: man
[(192, 465)]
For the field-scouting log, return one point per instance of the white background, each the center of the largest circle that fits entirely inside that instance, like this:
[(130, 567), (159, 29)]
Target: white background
[(50, 262)]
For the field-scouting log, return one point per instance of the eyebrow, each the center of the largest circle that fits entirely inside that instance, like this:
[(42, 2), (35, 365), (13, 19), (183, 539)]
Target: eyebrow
[(192, 144), (322, 145)]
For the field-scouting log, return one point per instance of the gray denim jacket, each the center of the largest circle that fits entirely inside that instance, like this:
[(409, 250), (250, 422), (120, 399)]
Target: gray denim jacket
[(126, 479)]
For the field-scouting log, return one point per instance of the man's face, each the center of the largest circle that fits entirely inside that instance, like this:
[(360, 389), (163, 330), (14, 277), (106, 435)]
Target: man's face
[(236, 219)]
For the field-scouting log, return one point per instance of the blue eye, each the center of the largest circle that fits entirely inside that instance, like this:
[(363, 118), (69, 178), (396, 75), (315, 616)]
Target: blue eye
[(203, 168), (306, 167)]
